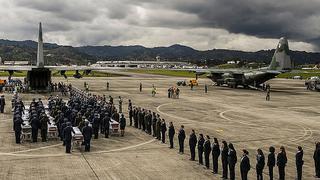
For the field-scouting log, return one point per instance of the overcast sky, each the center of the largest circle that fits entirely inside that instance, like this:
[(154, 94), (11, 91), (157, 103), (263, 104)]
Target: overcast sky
[(248, 25)]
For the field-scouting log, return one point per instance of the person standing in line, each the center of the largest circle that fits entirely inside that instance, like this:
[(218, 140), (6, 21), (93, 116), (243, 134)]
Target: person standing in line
[(171, 134), (158, 128), (181, 138), (106, 122), (224, 159), (120, 104), (260, 164), (215, 155), (271, 161), (35, 124), (18, 122), (123, 124), (316, 158), (44, 121), (67, 135), (245, 165), (200, 148), (281, 163), (130, 115), (207, 151), (87, 135), (232, 160), (192, 144), (299, 162), (163, 131), (2, 103), (268, 95)]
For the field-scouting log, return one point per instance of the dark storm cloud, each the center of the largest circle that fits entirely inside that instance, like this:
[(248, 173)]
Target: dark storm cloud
[(72, 10), (296, 19), (202, 24)]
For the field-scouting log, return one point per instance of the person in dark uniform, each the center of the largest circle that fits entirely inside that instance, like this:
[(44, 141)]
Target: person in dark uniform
[(95, 126), (35, 123), (111, 100), (120, 104), (106, 122), (271, 161), (281, 162), (17, 128), (224, 159), (215, 155), (181, 138), (260, 164), (192, 144), (67, 134), (87, 135), (316, 158), (299, 162), (268, 95), (108, 85), (2, 103), (130, 115), (63, 125), (245, 165), (207, 151), (163, 130), (44, 121), (123, 124), (200, 148), (140, 87), (159, 128), (205, 88), (171, 134), (154, 125), (116, 116), (232, 160)]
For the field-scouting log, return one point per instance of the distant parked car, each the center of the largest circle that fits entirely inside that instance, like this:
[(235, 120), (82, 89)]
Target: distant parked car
[(297, 77)]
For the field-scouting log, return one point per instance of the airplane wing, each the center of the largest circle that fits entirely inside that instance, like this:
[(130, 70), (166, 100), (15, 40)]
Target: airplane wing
[(16, 68), (82, 68)]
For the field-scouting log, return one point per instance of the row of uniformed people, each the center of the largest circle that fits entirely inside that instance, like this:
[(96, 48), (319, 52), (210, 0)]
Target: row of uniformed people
[(229, 156)]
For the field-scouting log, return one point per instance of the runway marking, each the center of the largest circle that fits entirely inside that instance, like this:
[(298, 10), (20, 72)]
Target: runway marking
[(304, 137), (74, 153), (181, 118), (124, 148), (221, 114), (35, 149)]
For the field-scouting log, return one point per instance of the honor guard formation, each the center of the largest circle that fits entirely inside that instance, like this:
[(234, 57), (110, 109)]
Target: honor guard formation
[(84, 115)]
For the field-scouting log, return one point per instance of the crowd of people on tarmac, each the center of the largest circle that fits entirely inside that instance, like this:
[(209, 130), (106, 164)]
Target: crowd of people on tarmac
[(58, 87), (92, 114), (173, 92)]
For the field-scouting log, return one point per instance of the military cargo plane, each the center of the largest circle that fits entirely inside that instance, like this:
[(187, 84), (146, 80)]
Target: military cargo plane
[(280, 63), (39, 76)]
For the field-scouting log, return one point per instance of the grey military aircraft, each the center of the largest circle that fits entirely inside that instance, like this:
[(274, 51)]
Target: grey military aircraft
[(280, 63), (39, 76)]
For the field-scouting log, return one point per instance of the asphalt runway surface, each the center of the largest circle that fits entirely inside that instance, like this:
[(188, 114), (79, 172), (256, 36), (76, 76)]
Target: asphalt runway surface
[(240, 116)]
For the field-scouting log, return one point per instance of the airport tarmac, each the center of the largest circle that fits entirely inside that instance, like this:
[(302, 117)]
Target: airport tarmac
[(240, 116)]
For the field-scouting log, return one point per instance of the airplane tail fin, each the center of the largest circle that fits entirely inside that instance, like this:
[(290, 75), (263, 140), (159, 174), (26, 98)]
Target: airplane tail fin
[(281, 60), (40, 59)]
